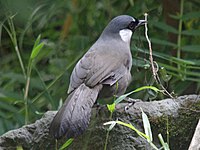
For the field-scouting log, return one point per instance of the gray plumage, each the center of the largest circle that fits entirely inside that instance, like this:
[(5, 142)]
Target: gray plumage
[(102, 72)]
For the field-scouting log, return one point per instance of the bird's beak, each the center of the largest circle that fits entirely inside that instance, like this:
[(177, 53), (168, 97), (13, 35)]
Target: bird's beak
[(141, 22)]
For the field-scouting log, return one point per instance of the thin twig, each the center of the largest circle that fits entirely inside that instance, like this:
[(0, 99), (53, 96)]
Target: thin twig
[(150, 49), (156, 67)]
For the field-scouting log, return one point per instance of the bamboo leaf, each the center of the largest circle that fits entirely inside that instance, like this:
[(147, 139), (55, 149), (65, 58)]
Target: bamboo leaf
[(191, 15), (36, 50), (147, 127), (165, 27), (122, 97), (37, 41), (165, 145), (191, 32), (191, 48)]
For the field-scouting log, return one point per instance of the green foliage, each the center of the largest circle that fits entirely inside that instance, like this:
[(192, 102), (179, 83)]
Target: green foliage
[(147, 128), (122, 97), (68, 29), (66, 144), (111, 107)]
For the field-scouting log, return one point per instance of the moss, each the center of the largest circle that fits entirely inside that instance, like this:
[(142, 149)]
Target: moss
[(181, 128)]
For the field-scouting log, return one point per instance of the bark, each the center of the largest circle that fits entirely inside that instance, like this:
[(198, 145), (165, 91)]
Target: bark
[(182, 115)]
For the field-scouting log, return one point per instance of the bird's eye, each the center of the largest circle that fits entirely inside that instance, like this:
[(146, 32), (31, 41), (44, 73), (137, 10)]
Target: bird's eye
[(131, 25)]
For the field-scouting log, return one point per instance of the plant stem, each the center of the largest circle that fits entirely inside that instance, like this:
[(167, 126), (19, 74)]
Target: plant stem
[(20, 60), (107, 134), (12, 34), (26, 91), (26, 99), (167, 130), (179, 32)]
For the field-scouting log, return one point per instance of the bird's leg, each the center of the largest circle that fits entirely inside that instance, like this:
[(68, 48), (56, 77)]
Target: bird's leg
[(130, 102)]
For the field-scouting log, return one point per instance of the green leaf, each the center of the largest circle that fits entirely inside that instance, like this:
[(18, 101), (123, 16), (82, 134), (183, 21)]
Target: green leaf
[(111, 123), (191, 48), (8, 107), (37, 41), (141, 134), (147, 87), (192, 15), (37, 47), (163, 42), (177, 17), (166, 27), (66, 144), (164, 74), (19, 147), (182, 62), (147, 127), (156, 41), (165, 145), (111, 107), (139, 62), (191, 32), (122, 97), (36, 50)]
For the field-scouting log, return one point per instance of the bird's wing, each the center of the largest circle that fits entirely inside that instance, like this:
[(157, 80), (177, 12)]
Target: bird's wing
[(95, 68), (81, 70)]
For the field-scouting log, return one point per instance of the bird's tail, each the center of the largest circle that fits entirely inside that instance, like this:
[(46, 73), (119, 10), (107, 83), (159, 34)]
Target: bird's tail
[(74, 116)]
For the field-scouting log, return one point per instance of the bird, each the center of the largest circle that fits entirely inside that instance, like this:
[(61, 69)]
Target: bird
[(103, 71)]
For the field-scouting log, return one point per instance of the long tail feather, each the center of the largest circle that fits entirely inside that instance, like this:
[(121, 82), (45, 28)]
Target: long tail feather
[(74, 116)]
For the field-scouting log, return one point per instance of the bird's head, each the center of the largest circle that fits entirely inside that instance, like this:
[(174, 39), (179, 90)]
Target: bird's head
[(122, 26)]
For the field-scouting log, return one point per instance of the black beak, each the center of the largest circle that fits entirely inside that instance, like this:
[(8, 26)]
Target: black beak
[(141, 22)]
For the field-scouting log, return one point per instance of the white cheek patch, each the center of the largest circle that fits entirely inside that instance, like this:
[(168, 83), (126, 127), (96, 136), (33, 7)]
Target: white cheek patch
[(125, 35)]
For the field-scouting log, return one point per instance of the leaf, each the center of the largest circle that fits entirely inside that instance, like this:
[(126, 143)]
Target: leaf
[(111, 107), (36, 50), (157, 41), (191, 32), (186, 72), (122, 97), (192, 15), (19, 148), (191, 48), (66, 144), (141, 134), (111, 123), (164, 74), (8, 107), (37, 47), (165, 145), (37, 41), (166, 27), (147, 127), (140, 62), (163, 42), (147, 87)]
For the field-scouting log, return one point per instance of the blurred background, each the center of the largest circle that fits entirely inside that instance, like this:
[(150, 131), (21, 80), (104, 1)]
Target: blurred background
[(68, 28)]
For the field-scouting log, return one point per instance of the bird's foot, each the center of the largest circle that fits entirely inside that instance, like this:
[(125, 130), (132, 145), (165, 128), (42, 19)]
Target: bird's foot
[(131, 102)]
